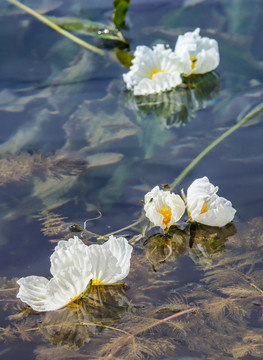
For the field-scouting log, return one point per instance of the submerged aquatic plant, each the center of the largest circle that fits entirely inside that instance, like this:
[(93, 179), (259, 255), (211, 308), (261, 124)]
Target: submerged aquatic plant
[(205, 206), (198, 55), (75, 267), (163, 208), (153, 70), (225, 302), (24, 166)]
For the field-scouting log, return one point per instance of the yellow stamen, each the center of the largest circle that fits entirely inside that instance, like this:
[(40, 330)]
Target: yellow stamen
[(193, 59), (167, 214), (96, 283), (72, 302), (154, 71), (204, 208)]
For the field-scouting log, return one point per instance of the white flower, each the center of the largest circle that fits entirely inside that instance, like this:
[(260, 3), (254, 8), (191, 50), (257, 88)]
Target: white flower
[(42, 294), (163, 208), (72, 252), (197, 54), (110, 262), (73, 266), (153, 71), (205, 206)]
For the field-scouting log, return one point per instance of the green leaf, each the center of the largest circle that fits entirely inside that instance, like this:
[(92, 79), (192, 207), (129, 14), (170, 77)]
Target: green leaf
[(125, 57), (120, 9), (87, 27)]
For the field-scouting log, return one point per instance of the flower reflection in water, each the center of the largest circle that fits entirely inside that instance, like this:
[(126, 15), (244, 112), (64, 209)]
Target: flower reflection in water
[(74, 326), (161, 248), (206, 242), (177, 107)]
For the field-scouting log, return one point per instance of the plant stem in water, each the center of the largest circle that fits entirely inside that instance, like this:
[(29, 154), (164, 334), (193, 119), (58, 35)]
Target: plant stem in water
[(56, 27), (213, 144)]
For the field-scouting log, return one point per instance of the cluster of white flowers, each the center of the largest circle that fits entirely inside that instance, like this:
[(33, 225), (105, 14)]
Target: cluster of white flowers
[(203, 205), (160, 69), (74, 266)]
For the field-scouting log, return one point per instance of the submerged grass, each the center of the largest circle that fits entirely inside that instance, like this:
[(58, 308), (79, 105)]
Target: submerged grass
[(220, 306)]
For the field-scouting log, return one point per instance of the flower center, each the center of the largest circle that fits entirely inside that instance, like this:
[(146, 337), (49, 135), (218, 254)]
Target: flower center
[(72, 302), (204, 208), (167, 214), (193, 59), (96, 283), (154, 71)]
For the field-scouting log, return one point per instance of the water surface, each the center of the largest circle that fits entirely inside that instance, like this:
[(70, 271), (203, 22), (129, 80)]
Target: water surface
[(73, 141)]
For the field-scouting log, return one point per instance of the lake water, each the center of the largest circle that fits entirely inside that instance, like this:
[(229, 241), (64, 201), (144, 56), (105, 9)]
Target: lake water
[(75, 143)]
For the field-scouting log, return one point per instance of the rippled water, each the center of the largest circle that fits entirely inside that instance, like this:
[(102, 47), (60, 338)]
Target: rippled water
[(74, 142)]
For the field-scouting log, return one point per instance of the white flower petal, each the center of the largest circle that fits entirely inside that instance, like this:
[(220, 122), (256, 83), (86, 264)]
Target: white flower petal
[(69, 253), (121, 250), (205, 206), (163, 208), (160, 82), (62, 289), (153, 70), (32, 291), (197, 55), (105, 267), (73, 265)]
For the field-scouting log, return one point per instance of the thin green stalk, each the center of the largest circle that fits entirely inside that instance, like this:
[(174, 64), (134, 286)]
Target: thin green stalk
[(213, 144), (56, 27)]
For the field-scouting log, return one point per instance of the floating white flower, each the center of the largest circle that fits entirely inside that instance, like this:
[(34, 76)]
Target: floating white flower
[(74, 265), (110, 262), (197, 54), (163, 208), (68, 253), (153, 70), (205, 206)]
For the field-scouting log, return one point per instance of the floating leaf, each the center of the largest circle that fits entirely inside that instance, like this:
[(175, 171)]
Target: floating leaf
[(124, 56), (87, 27)]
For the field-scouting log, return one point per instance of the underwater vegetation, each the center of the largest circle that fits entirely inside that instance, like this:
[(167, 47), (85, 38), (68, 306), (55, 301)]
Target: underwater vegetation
[(221, 305)]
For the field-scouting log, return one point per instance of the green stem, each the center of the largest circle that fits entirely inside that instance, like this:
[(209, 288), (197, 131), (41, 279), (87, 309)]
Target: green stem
[(56, 27), (213, 144)]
